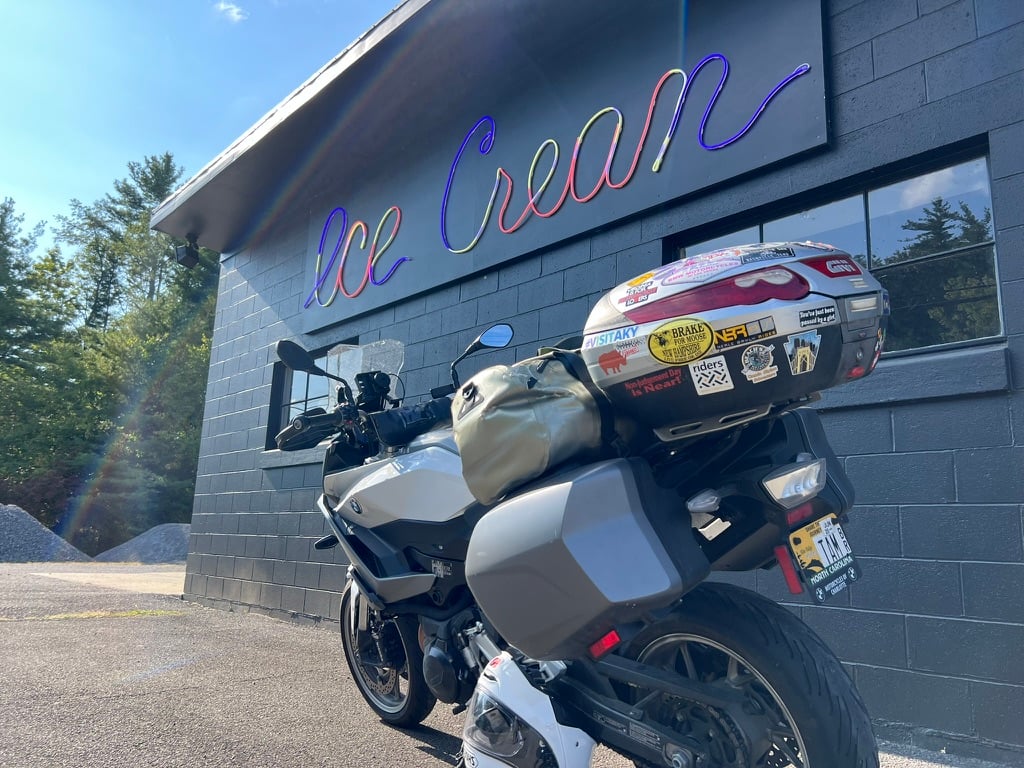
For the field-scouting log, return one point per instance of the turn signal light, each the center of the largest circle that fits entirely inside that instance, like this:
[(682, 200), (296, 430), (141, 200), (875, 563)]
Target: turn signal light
[(742, 290)]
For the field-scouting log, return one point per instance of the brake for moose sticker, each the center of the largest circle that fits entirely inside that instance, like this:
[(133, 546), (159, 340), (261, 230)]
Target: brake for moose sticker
[(681, 341)]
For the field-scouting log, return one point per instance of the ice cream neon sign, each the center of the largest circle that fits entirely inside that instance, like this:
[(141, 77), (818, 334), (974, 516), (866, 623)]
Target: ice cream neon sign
[(550, 146), (387, 228)]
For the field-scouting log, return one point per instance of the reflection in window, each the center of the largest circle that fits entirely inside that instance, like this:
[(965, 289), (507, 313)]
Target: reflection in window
[(304, 392), (741, 237), (930, 240), (840, 224), (931, 246)]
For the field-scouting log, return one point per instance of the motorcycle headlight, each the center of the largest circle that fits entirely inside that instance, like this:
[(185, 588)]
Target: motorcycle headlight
[(796, 483), (492, 728)]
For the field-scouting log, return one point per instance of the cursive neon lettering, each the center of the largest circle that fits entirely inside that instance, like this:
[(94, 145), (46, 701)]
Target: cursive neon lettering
[(343, 245), (534, 193)]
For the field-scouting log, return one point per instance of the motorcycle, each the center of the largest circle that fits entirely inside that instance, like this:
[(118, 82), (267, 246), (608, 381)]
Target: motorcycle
[(575, 608)]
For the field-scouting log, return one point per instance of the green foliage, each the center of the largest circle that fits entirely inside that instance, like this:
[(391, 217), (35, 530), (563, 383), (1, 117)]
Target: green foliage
[(103, 364)]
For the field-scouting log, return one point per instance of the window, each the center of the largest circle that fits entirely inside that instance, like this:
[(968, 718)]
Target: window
[(294, 392), (928, 240)]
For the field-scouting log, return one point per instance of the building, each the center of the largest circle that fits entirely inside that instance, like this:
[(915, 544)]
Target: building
[(424, 185)]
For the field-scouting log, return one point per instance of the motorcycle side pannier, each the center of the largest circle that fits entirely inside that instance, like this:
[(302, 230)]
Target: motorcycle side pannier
[(575, 554), (513, 424)]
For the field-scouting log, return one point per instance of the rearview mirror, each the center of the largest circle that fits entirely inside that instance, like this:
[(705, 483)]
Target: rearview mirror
[(496, 336), (296, 358)]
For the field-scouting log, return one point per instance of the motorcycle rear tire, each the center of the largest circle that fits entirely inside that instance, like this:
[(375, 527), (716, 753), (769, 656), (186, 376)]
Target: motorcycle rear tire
[(723, 632), (386, 697)]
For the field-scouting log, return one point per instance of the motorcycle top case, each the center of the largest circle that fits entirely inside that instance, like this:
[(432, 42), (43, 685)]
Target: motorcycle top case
[(569, 557), (719, 338)]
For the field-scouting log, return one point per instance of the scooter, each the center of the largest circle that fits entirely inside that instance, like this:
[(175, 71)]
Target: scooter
[(575, 609)]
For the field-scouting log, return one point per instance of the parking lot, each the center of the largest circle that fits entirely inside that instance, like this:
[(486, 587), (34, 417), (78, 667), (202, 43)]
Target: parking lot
[(105, 665)]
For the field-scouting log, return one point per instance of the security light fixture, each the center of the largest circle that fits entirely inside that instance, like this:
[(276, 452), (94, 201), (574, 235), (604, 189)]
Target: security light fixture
[(187, 255)]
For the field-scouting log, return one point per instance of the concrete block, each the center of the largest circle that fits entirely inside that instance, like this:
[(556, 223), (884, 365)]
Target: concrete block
[(874, 531), (616, 239), (994, 15), (852, 68), (882, 98), (636, 260), (250, 593), (1005, 155), (962, 532), (861, 637), (1010, 252), (481, 285), (293, 599), (565, 256), (236, 545), (564, 319), (499, 307), (312, 524), (911, 697), (966, 648), (1013, 296), (307, 575), (296, 548), (999, 712), (916, 478), (543, 292), (992, 475), (987, 58), (214, 587), (232, 590), (270, 596), (284, 572), (244, 568), (519, 272), (909, 586), (263, 570), (1007, 204), (927, 36), (868, 20), (317, 603), (332, 577), (595, 276), (994, 591), (863, 431), (955, 423), (459, 317), (410, 308)]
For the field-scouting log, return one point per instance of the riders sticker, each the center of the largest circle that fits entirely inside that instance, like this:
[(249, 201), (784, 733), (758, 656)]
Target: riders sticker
[(680, 341), (735, 335), (638, 294), (802, 351), (758, 363), (817, 316), (711, 375)]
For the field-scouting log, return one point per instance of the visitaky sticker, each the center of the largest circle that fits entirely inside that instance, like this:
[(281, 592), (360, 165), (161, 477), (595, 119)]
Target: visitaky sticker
[(681, 341)]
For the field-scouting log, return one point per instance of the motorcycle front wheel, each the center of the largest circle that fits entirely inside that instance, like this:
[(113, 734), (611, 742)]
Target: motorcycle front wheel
[(800, 708), (386, 662)]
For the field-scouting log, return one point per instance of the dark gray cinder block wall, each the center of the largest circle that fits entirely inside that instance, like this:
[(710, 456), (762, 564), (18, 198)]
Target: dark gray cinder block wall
[(933, 442)]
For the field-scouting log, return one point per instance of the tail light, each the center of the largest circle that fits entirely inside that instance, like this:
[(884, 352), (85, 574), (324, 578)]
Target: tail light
[(741, 290), (796, 483)]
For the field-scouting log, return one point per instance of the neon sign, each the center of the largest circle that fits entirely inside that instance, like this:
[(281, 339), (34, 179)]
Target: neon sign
[(387, 228), (347, 235), (550, 146)]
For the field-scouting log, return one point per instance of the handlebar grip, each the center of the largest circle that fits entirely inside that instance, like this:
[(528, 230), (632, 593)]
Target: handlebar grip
[(442, 391), (304, 422)]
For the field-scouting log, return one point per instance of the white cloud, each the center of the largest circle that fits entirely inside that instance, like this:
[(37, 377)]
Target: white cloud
[(924, 189), (231, 12)]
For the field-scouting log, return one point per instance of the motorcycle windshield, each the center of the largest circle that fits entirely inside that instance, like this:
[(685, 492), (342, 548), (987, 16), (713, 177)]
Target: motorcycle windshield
[(346, 360)]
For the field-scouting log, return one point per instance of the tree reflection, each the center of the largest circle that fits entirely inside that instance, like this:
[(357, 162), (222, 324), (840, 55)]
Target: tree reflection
[(942, 282)]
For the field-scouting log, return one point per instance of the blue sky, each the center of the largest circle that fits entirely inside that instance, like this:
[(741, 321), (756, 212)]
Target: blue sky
[(88, 85)]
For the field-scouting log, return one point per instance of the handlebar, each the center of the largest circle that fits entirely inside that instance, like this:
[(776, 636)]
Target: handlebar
[(304, 422)]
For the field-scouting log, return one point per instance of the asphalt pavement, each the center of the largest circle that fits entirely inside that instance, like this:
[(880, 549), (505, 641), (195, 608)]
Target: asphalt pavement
[(106, 665)]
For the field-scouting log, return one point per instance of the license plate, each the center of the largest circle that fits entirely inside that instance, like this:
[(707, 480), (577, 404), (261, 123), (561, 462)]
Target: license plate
[(825, 558)]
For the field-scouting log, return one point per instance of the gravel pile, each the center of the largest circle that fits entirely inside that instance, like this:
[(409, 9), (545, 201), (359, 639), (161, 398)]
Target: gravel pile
[(23, 539), (167, 543)]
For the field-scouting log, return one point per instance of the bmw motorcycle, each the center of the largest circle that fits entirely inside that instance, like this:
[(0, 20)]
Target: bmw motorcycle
[(579, 608)]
